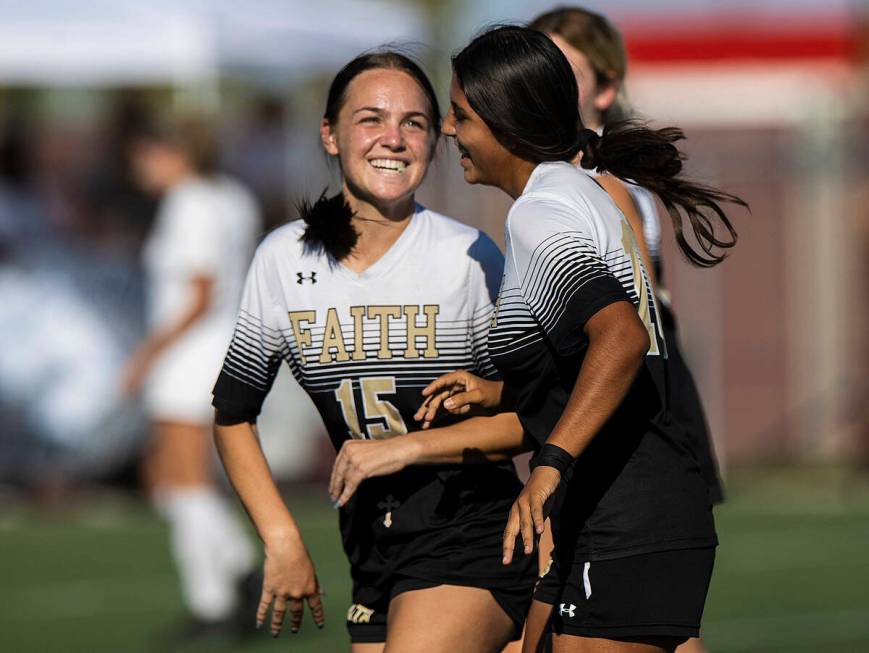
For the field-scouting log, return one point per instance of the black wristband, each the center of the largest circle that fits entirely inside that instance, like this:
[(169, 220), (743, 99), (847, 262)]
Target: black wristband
[(553, 456)]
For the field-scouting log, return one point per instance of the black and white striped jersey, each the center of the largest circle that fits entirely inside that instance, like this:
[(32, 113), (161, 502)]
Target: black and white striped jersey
[(363, 345), (570, 253)]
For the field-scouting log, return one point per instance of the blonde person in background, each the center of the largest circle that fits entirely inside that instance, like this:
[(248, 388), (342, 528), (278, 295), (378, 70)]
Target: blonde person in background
[(195, 260), (595, 50)]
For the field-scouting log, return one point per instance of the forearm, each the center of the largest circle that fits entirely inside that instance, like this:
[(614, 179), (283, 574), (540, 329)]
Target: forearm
[(608, 370), (202, 290), (477, 439), (249, 473)]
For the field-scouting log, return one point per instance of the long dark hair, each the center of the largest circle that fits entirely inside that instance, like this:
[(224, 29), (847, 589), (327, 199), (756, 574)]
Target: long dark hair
[(329, 226), (523, 88)]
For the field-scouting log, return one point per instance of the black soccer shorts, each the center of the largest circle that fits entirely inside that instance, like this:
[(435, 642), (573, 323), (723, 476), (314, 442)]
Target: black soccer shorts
[(367, 623), (650, 595)]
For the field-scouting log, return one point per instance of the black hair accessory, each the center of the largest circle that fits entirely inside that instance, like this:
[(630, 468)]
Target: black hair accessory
[(329, 226), (588, 141)]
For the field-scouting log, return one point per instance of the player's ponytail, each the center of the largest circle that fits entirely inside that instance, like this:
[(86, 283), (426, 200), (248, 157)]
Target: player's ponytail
[(329, 220), (647, 157), (523, 88), (328, 226)]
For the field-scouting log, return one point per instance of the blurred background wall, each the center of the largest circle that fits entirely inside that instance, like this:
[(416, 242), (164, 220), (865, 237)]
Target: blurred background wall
[(772, 95)]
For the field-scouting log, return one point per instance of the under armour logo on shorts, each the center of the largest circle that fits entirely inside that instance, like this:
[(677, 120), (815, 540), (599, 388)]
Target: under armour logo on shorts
[(564, 609), (301, 278)]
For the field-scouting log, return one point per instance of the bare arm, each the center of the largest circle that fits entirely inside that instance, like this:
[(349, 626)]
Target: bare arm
[(156, 343), (617, 344), (474, 440), (477, 439), (248, 471), (289, 576)]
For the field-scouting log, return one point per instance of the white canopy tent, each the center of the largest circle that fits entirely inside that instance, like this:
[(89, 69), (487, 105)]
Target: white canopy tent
[(110, 42)]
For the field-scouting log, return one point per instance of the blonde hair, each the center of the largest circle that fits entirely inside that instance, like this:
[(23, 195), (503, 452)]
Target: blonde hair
[(195, 136), (601, 43)]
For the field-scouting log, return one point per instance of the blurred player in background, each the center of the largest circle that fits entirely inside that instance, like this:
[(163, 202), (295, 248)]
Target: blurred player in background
[(596, 53), (368, 299), (195, 260)]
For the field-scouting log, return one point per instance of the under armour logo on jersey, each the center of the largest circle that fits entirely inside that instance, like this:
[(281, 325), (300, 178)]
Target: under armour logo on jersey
[(564, 609), (301, 278)]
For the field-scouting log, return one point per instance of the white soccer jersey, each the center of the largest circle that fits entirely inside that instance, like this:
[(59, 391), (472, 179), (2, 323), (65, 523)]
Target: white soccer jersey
[(644, 200), (363, 345), (570, 252), (204, 228)]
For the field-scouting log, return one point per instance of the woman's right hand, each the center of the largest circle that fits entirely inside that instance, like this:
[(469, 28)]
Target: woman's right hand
[(288, 581), (457, 392)]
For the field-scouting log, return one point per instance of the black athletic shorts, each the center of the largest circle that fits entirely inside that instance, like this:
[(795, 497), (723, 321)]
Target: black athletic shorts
[(430, 526), (650, 595), (367, 623)]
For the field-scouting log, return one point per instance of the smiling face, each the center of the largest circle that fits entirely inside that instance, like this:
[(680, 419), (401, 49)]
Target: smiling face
[(383, 137), (482, 157)]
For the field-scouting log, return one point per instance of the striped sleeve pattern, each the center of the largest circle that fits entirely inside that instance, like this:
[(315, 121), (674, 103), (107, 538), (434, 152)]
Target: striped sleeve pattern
[(255, 351), (563, 276)]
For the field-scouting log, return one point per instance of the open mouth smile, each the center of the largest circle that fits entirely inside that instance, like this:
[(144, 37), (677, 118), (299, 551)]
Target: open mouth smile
[(389, 165)]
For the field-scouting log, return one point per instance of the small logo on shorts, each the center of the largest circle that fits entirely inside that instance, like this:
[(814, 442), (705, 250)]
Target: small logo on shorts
[(359, 614), (569, 610), (301, 278)]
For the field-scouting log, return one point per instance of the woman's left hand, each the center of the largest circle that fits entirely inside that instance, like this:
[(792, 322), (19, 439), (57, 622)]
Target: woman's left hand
[(526, 516), (361, 459)]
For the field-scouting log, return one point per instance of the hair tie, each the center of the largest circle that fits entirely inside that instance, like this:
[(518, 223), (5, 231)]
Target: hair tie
[(329, 226), (589, 143)]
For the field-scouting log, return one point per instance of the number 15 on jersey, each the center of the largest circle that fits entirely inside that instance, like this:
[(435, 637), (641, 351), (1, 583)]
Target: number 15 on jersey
[(378, 419)]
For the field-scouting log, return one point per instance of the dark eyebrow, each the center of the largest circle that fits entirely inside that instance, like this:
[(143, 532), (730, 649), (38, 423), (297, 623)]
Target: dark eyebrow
[(378, 110)]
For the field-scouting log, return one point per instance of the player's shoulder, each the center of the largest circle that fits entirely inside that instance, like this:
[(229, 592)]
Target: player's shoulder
[(455, 236), (235, 190), (558, 197), (283, 243), (441, 225)]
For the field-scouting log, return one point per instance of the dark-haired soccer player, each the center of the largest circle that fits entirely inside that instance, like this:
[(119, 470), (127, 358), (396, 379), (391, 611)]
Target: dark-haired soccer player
[(369, 299)]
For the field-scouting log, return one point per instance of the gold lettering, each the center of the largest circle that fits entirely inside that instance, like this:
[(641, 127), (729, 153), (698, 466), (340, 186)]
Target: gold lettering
[(333, 339), (359, 614), (344, 395), (415, 331), (358, 312), (630, 244), (383, 313), (302, 335), (377, 408)]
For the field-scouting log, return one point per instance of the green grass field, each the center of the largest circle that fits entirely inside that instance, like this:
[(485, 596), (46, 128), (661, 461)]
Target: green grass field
[(792, 572)]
